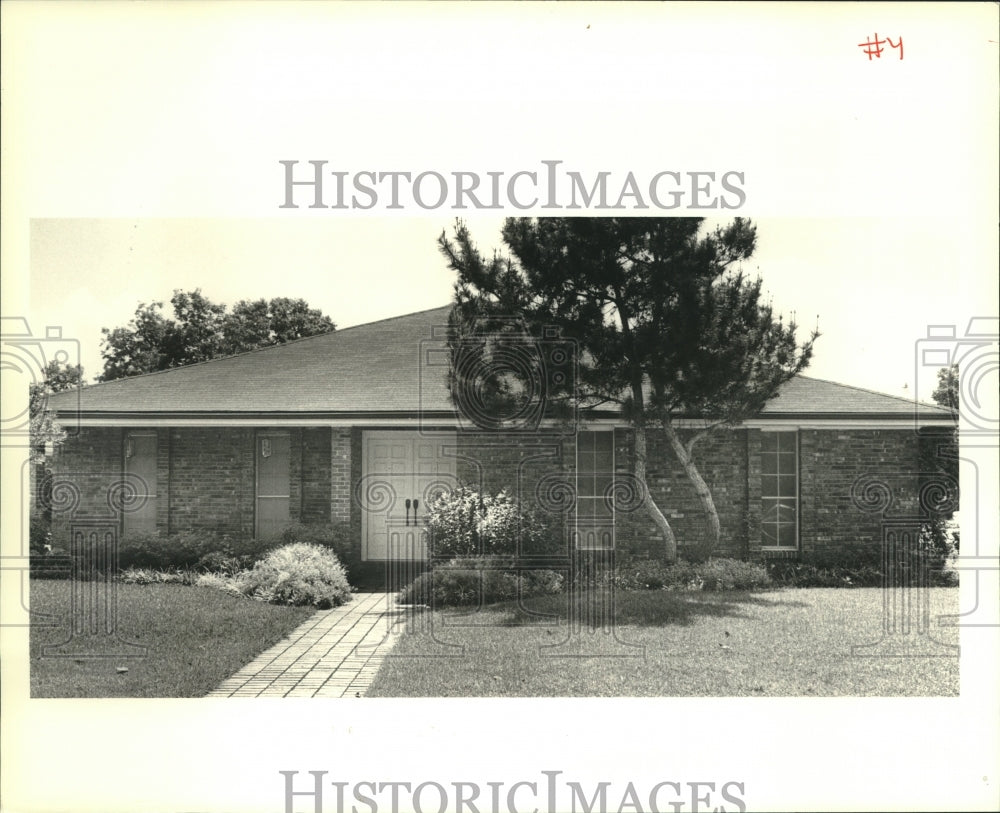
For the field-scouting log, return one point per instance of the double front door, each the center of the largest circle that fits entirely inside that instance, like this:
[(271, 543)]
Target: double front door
[(403, 472)]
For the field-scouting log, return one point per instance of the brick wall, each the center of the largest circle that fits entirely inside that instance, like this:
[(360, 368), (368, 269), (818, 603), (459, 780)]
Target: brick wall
[(721, 459), (205, 477), (315, 474), (206, 480), (84, 468), (345, 470), (346, 474), (833, 527), (212, 479)]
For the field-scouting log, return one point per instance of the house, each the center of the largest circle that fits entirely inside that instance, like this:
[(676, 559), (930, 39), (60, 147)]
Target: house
[(357, 427)]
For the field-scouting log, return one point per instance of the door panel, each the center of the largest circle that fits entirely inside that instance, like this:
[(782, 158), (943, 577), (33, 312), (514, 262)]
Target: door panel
[(140, 471), (407, 470), (273, 485)]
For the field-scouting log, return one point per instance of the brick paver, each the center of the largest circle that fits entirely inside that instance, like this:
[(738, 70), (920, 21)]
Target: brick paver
[(336, 653)]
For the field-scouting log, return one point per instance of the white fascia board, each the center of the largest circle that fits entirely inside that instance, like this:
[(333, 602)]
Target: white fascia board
[(417, 422)]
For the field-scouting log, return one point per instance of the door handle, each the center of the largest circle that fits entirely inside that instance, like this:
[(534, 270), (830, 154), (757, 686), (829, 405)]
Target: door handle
[(408, 511)]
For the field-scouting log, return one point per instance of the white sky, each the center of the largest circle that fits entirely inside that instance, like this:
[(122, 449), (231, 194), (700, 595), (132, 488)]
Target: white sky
[(874, 283)]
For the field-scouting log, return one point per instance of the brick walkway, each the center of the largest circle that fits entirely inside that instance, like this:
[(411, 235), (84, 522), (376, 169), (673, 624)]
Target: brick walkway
[(336, 653)]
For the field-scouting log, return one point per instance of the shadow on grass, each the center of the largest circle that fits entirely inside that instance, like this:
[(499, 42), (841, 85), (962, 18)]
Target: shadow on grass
[(647, 608)]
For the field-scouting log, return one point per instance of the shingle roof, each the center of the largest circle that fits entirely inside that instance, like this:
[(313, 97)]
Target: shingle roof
[(379, 368), (373, 367)]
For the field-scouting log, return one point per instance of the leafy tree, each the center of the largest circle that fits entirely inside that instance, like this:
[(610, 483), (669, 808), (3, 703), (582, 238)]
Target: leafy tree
[(43, 429), (202, 330), (939, 461), (665, 324), (946, 392), (262, 323), (153, 342)]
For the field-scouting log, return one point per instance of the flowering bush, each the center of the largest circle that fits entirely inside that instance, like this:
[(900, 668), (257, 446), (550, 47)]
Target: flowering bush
[(466, 522), (298, 574), (338, 537)]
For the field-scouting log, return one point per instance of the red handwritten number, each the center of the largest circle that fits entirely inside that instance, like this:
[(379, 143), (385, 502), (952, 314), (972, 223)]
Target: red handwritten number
[(873, 47)]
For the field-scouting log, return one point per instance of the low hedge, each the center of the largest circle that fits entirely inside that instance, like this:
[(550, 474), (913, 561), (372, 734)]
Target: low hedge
[(712, 574), (204, 550), (476, 580), (808, 574)]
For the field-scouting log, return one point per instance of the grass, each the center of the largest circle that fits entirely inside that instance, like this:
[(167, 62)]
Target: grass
[(194, 638), (789, 643)]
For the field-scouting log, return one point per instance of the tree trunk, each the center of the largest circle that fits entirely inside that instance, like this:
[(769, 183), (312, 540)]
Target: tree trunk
[(670, 541), (700, 488)]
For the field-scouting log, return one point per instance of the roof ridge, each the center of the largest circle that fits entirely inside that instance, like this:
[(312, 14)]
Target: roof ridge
[(911, 401), (335, 331)]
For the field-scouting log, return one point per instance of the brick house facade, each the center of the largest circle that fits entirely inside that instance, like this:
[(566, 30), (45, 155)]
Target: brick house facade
[(356, 427)]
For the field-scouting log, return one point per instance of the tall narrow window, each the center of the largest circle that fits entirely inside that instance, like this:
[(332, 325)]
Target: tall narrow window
[(595, 473), (273, 484), (140, 473), (779, 490)]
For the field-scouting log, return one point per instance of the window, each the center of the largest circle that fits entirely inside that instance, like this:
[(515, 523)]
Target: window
[(595, 475), (140, 473), (273, 484), (779, 490)]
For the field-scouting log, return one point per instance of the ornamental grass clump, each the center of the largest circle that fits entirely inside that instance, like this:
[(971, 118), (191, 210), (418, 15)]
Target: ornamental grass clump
[(298, 574)]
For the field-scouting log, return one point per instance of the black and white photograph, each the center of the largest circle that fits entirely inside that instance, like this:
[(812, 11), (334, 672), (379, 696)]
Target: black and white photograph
[(462, 407)]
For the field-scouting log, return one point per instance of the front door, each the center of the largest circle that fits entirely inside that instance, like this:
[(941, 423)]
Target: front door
[(273, 484), (403, 472)]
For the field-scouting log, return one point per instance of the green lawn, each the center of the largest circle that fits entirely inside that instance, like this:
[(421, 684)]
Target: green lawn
[(194, 637), (771, 644)]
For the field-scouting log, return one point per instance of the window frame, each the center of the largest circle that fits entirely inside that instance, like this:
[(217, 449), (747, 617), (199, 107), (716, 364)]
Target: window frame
[(258, 437), (127, 453), (797, 498), (594, 472)]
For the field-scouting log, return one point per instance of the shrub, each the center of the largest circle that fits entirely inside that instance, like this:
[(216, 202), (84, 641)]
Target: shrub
[(337, 537), (217, 581), (160, 552), (645, 574), (143, 575), (807, 574), (481, 579), (199, 549), (946, 577), (712, 574), (732, 574), (221, 563), (466, 522), (811, 574), (939, 539), (45, 561), (300, 574), (51, 565), (39, 532)]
